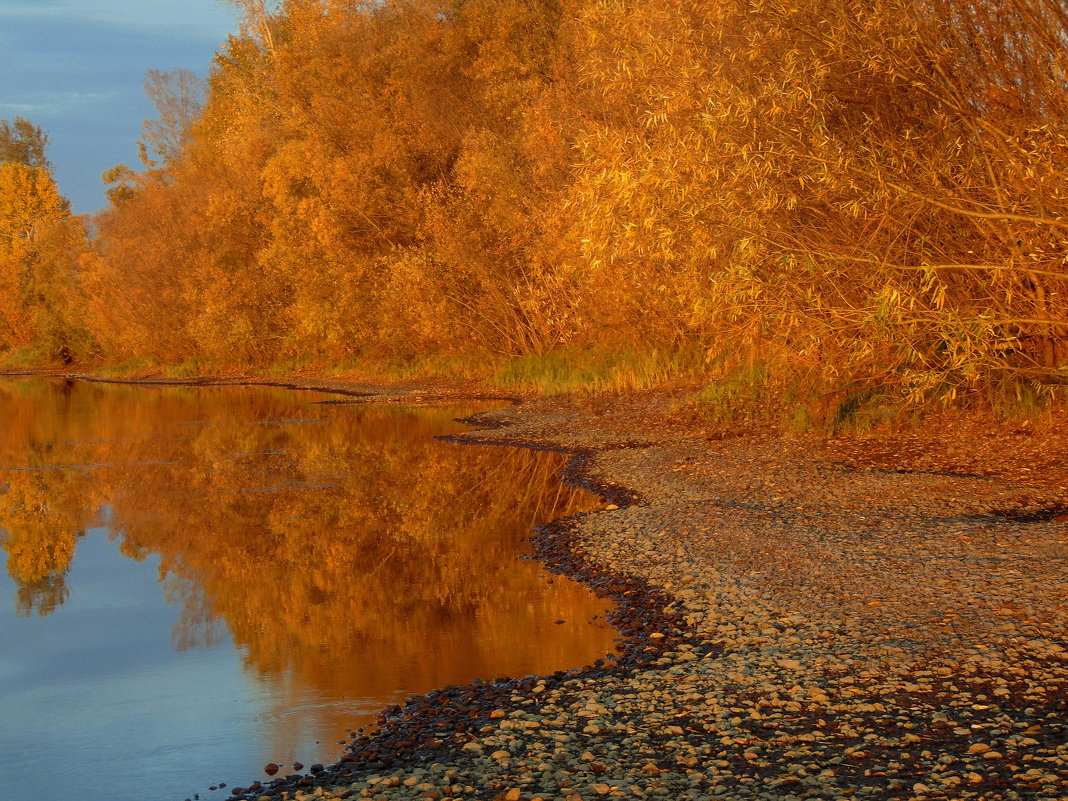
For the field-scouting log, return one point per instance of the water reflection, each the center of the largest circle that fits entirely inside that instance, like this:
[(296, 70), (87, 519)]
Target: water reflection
[(349, 557)]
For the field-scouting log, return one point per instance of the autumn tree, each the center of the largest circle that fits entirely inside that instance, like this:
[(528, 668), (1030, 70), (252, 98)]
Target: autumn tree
[(172, 274), (258, 20), (23, 142), (40, 245), (840, 202), (121, 183), (178, 98), (31, 209)]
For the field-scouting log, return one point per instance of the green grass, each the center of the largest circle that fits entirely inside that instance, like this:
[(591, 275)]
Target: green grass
[(1017, 399), (29, 357), (795, 402), (126, 369), (780, 395), (594, 371), (190, 368), (467, 365), (742, 396), (284, 367)]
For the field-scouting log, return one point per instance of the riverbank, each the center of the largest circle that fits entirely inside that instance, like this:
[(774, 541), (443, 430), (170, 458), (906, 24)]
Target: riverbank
[(878, 617)]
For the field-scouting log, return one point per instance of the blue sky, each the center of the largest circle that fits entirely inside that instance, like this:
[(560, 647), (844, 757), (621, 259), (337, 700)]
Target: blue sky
[(77, 67)]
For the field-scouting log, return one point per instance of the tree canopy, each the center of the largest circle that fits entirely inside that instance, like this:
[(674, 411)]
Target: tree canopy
[(22, 142), (834, 202), (40, 246)]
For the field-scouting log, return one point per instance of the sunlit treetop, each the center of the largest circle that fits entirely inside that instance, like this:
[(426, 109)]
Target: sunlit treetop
[(23, 143)]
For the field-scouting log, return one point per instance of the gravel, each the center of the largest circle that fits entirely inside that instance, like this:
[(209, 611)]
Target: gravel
[(868, 617)]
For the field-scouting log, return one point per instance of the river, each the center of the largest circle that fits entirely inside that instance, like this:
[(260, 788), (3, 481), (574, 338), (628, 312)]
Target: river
[(197, 581)]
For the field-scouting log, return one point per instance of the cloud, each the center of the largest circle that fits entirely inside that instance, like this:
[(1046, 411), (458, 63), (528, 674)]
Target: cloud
[(196, 17), (22, 109), (66, 65), (77, 68), (50, 104)]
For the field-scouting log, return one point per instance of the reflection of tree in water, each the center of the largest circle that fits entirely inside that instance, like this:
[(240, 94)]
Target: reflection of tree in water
[(42, 513), (38, 556), (400, 539), (199, 626), (353, 551)]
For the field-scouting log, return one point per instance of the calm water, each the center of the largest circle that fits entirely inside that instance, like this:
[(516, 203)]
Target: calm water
[(197, 581)]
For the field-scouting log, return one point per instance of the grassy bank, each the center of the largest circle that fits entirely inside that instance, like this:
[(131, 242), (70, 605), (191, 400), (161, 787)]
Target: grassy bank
[(788, 400)]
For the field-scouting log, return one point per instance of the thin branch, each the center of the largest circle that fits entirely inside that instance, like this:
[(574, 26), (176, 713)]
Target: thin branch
[(984, 215)]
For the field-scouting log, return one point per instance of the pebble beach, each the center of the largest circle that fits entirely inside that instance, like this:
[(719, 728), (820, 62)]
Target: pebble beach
[(878, 617)]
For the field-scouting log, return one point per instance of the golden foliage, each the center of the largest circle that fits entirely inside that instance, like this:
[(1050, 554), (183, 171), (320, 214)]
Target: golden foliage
[(40, 245), (852, 196)]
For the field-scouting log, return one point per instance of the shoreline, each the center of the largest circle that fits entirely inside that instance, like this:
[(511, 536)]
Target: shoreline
[(879, 617)]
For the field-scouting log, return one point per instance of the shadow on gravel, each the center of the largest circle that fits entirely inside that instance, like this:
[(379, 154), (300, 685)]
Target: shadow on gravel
[(1047, 515)]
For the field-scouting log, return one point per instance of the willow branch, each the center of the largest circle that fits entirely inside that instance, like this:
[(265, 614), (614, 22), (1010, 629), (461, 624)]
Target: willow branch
[(984, 215)]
